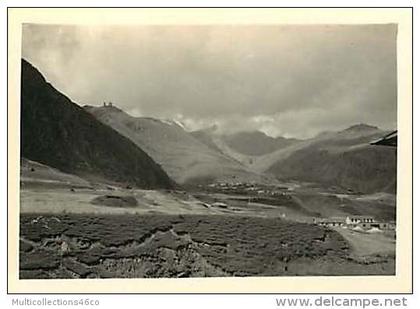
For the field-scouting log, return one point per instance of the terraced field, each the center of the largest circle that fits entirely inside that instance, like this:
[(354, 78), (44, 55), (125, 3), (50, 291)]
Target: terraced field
[(162, 245)]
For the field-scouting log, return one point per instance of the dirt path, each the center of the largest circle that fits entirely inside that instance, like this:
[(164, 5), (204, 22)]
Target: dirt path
[(364, 244)]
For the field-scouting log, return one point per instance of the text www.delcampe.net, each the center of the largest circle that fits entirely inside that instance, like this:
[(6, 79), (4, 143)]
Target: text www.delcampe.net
[(334, 301)]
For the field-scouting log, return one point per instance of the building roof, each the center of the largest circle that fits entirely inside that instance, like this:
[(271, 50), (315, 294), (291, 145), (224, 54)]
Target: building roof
[(331, 220), (360, 217)]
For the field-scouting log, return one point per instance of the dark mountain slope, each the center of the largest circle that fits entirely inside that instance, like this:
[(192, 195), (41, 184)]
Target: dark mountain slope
[(57, 132)]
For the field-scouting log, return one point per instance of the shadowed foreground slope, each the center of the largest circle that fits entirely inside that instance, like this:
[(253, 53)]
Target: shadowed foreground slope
[(127, 246), (59, 133)]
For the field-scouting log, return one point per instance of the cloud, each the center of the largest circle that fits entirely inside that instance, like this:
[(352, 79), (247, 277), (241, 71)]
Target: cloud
[(292, 80)]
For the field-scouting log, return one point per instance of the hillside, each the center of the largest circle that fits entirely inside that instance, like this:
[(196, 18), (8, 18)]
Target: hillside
[(59, 133), (183, 157), (206, 138), (344, 159), (256, 143), (217, 142), (32, 172)]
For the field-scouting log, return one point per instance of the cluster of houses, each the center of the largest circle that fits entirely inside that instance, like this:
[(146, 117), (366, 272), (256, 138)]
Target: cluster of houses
[(355, 222)]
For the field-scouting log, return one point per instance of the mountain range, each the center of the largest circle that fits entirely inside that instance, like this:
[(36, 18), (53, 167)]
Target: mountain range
[(104, 143), (256, 143), (186, 159), (344, 158)]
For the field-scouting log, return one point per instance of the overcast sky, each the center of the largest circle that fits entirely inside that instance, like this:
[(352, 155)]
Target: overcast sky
[(294, 81)]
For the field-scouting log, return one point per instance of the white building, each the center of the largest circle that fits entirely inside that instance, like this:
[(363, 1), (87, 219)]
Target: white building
[(351, 220)]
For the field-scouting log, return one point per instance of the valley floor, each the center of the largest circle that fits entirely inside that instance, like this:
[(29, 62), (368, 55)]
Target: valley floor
[(198, 233)]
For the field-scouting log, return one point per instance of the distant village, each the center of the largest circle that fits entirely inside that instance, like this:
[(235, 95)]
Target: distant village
[(354, 222), (247, 188)]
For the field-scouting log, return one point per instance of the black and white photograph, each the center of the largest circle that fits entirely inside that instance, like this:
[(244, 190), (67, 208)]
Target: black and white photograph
[(196, 151), (223, 150)]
